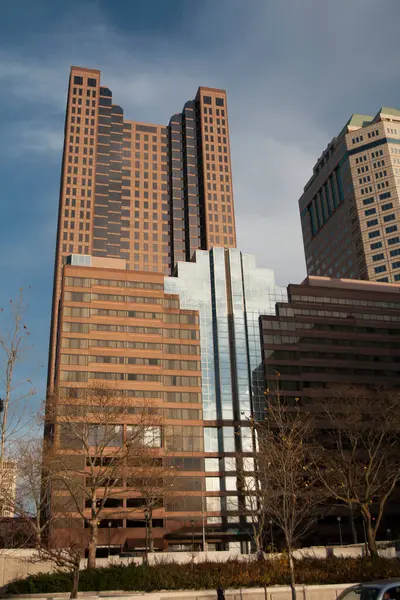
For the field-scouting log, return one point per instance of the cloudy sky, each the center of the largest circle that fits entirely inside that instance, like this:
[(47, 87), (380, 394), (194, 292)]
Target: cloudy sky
[(295, 70)]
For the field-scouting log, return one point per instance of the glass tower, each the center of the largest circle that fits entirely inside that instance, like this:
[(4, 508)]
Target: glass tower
[(230, 293)]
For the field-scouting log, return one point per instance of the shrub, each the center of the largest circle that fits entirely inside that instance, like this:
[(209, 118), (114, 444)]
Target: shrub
[(209, 575)]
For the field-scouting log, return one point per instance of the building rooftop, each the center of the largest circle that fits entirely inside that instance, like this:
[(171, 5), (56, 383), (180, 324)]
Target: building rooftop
[(355, 284)]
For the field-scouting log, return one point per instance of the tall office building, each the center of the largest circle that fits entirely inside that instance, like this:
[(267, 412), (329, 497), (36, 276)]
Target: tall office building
[(190, 345), (230, 293), (148, 194), (350, 207), (119, 331)]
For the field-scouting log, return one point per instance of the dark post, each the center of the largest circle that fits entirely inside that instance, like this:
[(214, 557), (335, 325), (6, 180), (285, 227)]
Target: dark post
[(146, 518), (340, 530), (192, 526), (109, 537), (220, 593)]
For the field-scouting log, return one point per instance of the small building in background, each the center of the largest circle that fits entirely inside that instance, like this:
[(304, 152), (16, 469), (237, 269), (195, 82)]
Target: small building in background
[(333, 332)]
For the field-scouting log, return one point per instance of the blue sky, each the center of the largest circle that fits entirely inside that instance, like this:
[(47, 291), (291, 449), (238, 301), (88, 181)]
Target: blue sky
[(295, 70)]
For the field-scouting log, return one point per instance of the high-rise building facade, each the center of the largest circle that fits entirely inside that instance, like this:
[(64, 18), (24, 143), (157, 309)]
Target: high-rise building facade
[(334, 333), (350, 207), (189, 345), (148, 194), (230, 293), (120, 333)]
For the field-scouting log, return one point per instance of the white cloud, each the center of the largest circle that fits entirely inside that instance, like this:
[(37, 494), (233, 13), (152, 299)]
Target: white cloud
[(31, 140)]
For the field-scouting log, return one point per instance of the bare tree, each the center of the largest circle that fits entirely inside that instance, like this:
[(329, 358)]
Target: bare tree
[(13, 406), (96, 452), (30, 505), (358, 460), (68, 557), (153, 480), (31, 510), (255, 504), (283, 471)]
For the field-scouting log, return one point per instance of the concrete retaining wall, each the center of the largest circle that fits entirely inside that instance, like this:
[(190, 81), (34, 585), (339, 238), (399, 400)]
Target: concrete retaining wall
[(310, 592)]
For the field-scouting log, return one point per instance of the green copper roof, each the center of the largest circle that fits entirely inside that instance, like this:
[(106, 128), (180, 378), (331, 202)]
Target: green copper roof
[(357, 120), (386, 110)]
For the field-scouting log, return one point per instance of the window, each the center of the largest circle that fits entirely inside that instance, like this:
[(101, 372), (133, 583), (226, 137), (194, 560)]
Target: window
[(230, 484), (91, 82), (211, 464), (207, 99), (391, 228), (78, 80), (370, 211), (387, 206), (394, 240), (105, 435), (376, 245), (149, 436), (229, 439), (391, 217), (395, 252), (372, 222), (380, 269), (219, 101), (396, 265), (213, 504), (394, 592), (211, 439), (212, 484), (377, 257), (368, 201)]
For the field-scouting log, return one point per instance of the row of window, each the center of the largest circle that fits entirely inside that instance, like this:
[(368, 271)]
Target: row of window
[(91, 81), (88, 297), (218, 101), (183, 334), (80, 311), (386, 219), (87, 282), (77, 343), (383, 268), (391, 229), (167, 380), (83, 360), (178, 397), (325, 202), (345, 301)]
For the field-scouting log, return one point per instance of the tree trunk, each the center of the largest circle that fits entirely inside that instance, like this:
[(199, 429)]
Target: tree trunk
[(38, 540), (292, 576), (353, 528), (371, 540), (75, 583), (92, 544)]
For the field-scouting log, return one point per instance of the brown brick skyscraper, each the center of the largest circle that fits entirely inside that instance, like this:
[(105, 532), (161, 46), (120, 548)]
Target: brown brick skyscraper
[(349, 210), (150, 194)]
